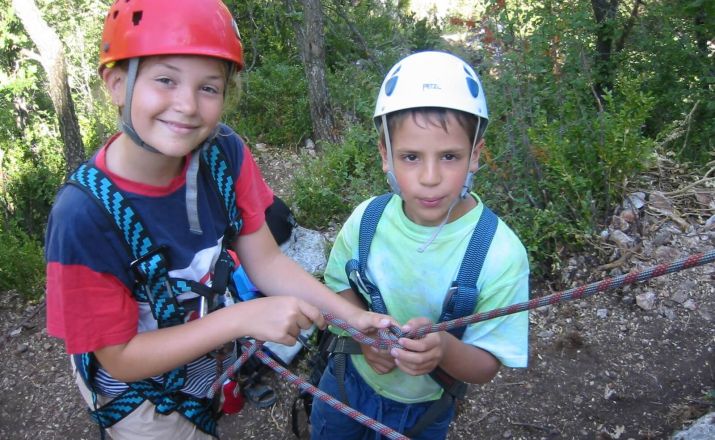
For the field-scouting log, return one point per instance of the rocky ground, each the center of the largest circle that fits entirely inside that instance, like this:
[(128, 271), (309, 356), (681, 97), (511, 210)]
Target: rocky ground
[(634, 363)]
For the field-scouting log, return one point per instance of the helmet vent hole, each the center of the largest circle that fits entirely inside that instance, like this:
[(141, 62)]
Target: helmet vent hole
[(114, 15), (390, 86), (473, 87), (137, 17)]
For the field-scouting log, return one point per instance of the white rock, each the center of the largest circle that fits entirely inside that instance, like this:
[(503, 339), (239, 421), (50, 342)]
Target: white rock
[(308, 248), (646, 301), (635, 200), (702, 429), (621, 239), (690, 305)]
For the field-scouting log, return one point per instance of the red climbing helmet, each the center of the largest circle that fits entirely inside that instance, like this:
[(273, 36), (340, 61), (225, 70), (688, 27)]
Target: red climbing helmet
[(138, 28)]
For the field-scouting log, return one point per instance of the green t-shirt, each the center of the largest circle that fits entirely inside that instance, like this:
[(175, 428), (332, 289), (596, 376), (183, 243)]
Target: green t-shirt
[(414, 284)]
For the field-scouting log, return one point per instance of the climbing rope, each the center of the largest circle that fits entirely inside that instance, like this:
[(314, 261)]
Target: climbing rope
[(389, 341), (387, 338), (573, 293), (250, 348), (325, 397)]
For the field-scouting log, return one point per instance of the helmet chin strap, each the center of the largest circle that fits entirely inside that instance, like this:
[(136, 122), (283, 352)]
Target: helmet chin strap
[(391, 179), (469, 178), (126, 123)]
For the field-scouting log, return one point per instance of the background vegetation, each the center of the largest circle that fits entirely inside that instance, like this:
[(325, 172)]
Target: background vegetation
[(581, 96)]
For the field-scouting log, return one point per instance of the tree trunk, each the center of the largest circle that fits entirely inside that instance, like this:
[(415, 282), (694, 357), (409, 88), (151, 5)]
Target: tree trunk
[(311, 42), (605, 12), (53, 61)]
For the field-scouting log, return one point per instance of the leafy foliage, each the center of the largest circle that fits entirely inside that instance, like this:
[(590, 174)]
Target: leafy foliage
[(273, 107), (22, 263), (676, 58), (328, 187), (30, 162), (558, 158)]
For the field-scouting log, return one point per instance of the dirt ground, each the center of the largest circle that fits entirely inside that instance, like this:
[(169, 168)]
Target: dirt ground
[(634, 363)]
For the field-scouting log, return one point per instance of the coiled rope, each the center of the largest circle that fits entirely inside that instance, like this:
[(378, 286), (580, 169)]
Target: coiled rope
[(388, 337)]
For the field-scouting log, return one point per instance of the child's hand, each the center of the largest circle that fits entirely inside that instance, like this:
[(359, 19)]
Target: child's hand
[(379, 360), (280, 318), (420, 356), (366, 322)]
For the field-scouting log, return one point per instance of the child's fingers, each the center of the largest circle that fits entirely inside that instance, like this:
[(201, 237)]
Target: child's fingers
[(312, 315), (385, 321), (408, 361), (377, 321), (416, 323), (379, 360), (415, 363), (414, 345)]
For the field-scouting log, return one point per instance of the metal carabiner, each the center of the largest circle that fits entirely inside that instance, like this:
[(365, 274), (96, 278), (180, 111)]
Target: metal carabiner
[(357, 279)]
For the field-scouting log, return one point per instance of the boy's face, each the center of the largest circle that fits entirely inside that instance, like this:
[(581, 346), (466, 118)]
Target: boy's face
[(430, 166), (177, 100)]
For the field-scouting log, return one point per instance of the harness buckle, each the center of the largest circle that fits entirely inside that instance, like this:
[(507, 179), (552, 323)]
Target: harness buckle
[(141, 276), (135, 267), (449, 298), (343, 345)]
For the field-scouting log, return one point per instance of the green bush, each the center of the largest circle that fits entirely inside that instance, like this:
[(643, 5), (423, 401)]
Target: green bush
[(353, 91), (22, 265), (587, 157), (273, 106), (329, 186), (32, 169), (555, 172), (677, 61)]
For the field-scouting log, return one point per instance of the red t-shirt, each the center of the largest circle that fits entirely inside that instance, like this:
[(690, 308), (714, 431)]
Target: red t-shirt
[(89, 299)]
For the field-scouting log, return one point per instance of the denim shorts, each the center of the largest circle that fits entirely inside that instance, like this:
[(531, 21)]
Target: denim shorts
[(330, 424)]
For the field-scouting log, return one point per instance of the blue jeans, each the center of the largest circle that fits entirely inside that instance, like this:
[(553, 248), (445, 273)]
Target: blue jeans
[(330, 424)]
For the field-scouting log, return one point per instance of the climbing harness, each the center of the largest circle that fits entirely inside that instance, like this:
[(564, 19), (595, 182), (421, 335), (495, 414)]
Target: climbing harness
[(461, 300), (388, 338), (153, 285)]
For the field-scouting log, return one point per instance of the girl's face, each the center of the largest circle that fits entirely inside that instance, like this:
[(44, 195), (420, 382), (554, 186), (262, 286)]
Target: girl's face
[(430, 166), (177, 100)]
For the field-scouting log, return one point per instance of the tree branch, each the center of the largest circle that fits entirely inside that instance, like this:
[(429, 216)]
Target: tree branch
[(628, 26)]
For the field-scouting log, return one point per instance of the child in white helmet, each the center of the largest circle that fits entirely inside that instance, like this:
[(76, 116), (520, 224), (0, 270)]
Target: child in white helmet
[(431, 114), (138, 243)]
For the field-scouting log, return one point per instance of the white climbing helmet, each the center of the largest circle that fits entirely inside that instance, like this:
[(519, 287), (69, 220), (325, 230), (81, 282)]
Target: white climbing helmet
[(432, 79)]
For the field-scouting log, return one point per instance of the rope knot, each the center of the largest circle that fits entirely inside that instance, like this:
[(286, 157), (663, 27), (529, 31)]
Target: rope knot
[(388, 337)]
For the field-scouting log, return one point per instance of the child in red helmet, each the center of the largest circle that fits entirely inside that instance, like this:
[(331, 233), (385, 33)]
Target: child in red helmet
[(136, 245)]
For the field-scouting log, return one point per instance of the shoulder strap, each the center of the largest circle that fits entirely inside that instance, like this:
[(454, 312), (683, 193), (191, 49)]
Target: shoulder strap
[(149, 265), (356, 269), (463, 295), (218, 167), (216, 164)]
